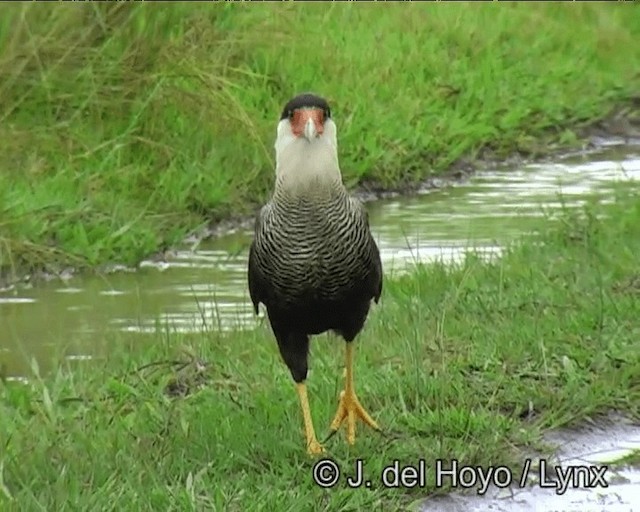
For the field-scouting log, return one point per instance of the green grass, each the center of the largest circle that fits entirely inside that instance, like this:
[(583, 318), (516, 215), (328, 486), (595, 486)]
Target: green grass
[(471, 362), (630, 461), (124, 126)]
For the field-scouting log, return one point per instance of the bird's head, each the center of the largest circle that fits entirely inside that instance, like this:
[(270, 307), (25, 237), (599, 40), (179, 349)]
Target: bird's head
[(307, 117), (306, 141)]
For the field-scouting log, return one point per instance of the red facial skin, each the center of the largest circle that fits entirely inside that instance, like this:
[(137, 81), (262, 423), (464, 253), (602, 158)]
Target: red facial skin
[(301, 116)]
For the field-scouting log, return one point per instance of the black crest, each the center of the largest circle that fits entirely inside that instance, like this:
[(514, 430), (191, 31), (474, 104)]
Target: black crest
[(308, 100)]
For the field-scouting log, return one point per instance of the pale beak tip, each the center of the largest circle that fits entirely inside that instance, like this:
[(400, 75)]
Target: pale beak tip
[(310, 131)]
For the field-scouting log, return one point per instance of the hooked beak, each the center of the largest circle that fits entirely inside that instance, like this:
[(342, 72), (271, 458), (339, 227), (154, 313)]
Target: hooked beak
[(308, 123)]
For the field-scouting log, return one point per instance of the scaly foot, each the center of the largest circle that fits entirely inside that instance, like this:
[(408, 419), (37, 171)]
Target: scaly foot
[(350, 408), (314, 447)]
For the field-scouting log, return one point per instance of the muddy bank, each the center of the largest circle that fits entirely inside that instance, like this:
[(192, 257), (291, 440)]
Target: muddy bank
[(622, 126)]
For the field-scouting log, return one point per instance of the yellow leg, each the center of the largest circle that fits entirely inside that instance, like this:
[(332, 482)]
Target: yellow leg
[(349, 406), (313, 446)]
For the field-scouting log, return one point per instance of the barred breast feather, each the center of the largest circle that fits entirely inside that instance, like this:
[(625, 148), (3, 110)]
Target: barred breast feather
[(313, 254)]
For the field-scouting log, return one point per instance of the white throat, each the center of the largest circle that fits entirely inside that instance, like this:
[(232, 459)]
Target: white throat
[(304, 165)]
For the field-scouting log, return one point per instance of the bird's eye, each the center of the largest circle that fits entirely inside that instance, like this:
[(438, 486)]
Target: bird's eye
[(327, 113), (290, 114)]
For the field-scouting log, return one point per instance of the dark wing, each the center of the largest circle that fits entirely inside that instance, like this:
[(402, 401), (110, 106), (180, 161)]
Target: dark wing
[(375, 276), (257, 285)]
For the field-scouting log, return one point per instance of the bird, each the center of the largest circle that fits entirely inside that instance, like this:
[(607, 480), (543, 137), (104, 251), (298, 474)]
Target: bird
[(313, 262)]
